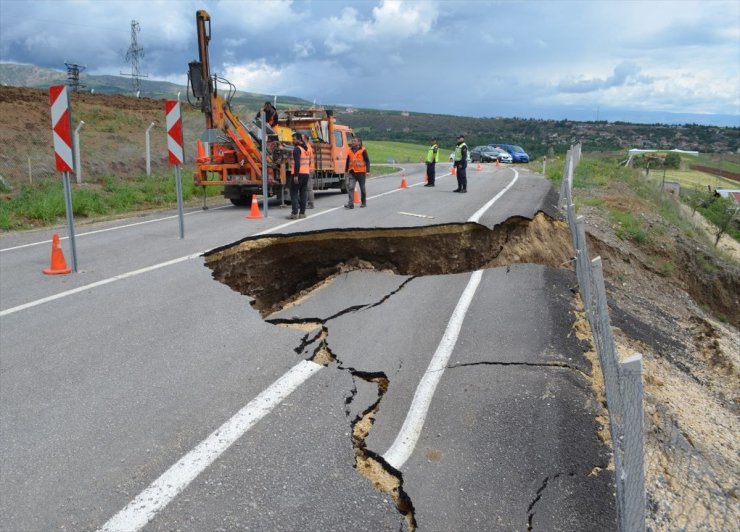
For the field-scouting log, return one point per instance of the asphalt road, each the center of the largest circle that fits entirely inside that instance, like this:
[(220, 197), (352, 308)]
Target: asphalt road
[(140, 393)]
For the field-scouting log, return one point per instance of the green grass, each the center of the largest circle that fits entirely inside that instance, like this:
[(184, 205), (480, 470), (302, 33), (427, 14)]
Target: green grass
[(628, 226), (42, 203), (401, 152)]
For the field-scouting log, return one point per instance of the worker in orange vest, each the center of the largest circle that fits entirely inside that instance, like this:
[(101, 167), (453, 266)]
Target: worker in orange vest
[(299, 179), (311, 171), (357, 168)]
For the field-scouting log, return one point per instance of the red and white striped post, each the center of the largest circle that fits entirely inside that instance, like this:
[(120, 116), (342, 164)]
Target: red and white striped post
[(61, 126), (173, 123)]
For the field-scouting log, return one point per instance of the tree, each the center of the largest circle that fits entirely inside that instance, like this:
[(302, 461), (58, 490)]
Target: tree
[(723, 212), (672, 160)]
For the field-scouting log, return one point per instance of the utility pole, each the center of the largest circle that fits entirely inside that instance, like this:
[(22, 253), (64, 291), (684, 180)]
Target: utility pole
[(73, 76), (134, 53)]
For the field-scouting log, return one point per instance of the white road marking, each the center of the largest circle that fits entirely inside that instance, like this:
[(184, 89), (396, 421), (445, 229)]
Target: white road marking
[(125, 226), (414, 214), (160, 492), (406, 439)]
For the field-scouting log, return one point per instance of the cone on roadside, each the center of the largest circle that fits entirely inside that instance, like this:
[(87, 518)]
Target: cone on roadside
[(453, 171), (58, 265), (426, 178), (498, 163), (478, 167), (403, 181), (255, 212), (356, 198), (202, 157)]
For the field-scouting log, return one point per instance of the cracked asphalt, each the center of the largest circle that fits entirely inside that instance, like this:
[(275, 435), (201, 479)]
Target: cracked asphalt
[(112, 375)]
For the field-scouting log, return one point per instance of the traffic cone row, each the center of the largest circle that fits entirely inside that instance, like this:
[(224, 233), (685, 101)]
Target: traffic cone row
[(58, 265), (255, 212)]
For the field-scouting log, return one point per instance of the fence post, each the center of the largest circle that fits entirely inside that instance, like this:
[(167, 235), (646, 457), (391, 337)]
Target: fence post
[(633, 468), (148, 152), (78, 162)]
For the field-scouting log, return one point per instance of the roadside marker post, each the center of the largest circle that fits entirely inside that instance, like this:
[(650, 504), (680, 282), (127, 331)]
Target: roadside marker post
[(61, 126), (173, 120)]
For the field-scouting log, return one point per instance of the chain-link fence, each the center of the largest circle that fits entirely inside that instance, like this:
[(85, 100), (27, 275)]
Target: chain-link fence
[(663, 483)]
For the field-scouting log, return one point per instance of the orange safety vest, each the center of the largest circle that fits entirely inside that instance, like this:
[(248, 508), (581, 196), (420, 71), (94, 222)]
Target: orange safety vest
[(304, 162), (357, 161), (311, 159)]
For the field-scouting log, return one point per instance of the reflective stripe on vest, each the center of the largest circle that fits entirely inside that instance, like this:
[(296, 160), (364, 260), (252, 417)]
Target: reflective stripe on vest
[(357, 161)]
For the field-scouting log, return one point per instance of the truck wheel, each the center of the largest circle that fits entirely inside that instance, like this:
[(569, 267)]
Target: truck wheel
[(242, 201)]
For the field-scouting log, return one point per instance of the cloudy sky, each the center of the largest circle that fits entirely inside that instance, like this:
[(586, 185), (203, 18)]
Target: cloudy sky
[(643, 61)]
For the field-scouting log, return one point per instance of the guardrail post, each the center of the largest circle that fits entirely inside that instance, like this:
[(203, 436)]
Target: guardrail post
[(633, 465)]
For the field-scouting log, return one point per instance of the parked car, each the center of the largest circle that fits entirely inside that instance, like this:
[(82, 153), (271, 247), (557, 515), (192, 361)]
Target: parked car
[(518, 155), (488, 154)]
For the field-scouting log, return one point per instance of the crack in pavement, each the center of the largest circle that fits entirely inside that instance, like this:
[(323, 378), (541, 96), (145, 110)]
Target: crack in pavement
[(562, 365), (281, 270)]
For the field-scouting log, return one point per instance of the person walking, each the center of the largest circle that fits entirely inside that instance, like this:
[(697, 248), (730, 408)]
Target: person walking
[(299, 180), (356, 168), (311, 172), (461, 164), (432, 160)]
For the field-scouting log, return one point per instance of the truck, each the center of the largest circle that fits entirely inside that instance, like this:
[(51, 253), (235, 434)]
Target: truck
[(230, 150)]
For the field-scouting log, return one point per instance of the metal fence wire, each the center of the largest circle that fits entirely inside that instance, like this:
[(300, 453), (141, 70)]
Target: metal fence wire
[(668, 484)]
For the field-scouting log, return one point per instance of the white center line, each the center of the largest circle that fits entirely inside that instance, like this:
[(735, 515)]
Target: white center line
[(406, 439)]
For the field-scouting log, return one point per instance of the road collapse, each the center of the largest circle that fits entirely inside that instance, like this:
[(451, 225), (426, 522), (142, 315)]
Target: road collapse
[(281, 270), (276, 270)]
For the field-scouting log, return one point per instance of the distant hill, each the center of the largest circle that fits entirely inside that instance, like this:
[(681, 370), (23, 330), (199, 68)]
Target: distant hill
[(31, 76), (538, 137)]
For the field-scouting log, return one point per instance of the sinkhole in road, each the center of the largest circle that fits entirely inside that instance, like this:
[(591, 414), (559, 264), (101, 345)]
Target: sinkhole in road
[(278, 270), (275, 270)]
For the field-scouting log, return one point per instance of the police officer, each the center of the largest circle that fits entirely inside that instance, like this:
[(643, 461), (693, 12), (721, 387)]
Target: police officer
[(432, 159), (461, 164)]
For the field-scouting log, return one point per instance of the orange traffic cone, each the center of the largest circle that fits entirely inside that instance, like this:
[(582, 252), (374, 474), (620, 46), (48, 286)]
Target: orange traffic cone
[(403, 181), (498, 163), (58, 264), (255, 212), (453, 171), (426, 178), (478, 167), (356, 199), (202, 157)]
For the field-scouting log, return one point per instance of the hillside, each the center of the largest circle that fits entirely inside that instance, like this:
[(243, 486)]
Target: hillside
[(538, 137)]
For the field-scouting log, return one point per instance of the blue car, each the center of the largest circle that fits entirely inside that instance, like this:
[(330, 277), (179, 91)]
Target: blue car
[(518, 155)]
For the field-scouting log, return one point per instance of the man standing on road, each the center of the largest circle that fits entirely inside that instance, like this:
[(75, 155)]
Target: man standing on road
[(299, 179), (432, 159), (461, 164), (357, 167), (311, 171)]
